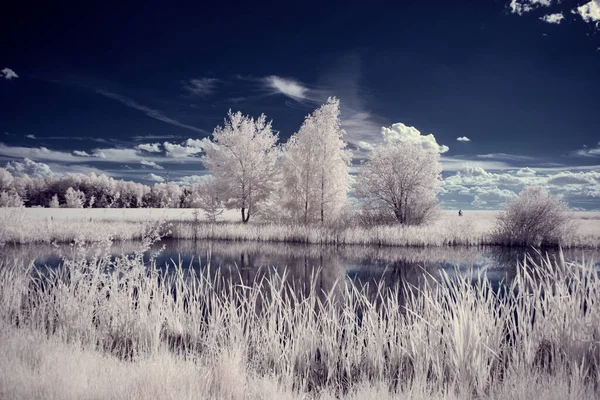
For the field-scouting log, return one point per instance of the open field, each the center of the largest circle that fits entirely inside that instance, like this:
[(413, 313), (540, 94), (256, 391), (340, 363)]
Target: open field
[(120, 330), (30, 225)]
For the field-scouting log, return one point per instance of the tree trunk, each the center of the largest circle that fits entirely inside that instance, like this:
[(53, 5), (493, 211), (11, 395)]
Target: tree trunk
[(322, 196)]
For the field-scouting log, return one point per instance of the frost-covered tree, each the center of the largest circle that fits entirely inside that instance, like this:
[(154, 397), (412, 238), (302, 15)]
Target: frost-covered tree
[(74, 198), (534, 218), (242, 156), (6, 179), (10, 198), (54, 202), (315, 167), (399, 181), (209, 199)]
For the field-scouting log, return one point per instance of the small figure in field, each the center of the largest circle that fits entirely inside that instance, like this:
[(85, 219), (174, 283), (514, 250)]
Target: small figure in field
[(460, 213)]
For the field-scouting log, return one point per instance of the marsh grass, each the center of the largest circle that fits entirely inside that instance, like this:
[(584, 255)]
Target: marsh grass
[(441, 337)]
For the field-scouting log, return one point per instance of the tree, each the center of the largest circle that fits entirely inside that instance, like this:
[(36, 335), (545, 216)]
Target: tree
[(315, 167), (74, 198), (54, 202), (400, 180), (533, 218), (242, 157), (209, 199)]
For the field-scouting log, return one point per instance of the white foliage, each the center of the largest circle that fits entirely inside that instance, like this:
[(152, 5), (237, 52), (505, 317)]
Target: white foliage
[(74, 198), (316, 176), (400, 179), (242, 157), (54, 202)]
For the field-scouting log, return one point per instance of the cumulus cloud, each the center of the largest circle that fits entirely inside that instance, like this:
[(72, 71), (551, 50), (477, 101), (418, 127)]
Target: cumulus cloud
[(589, 12), (189, 148), (463, 139), (399, 132), (201, 86), (9, 74), (521, 7), (492, 189), (81, 153), (29, 168), (154, 178), (192, 180), (553, 18), (287, 87), (151, 164), (149, 147)]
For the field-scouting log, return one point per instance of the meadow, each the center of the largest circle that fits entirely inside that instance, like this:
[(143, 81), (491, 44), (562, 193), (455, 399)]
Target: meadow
[(41, 225), (111, 328)]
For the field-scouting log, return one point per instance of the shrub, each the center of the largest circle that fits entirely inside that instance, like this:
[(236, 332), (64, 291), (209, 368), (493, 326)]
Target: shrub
[(534, 218)]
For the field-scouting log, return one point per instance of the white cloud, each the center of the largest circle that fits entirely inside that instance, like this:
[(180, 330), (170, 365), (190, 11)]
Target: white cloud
[(151, 164), (463, 139), (364, 145), (403, 133), (190, 148), (589, 152), (29, 168), (589, 12), (9, 73), (553, 18), (492, 189), (81, 153), (201, 87), (287, 87), (521, 7), (154, 178), (149, 147), (192, 180)]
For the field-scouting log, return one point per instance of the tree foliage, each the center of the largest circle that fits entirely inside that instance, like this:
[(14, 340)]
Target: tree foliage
[(533, 218), (399, 182), (241, 156), (315, 167)]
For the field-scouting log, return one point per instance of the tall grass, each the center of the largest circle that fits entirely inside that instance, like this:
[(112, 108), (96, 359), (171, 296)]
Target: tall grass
[(438, 337)]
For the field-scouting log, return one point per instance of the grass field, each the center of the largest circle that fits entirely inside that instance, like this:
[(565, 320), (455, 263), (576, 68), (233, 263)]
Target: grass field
[(112, 328), (89, 225)]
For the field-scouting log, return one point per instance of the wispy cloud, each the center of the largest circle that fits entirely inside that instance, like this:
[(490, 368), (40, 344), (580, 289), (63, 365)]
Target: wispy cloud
[(463, 139), (588, 151), (200, 86), (81, 153), (153, 137), (287, 87), (151, 164), (152, 113), (9, 74), (30, 136), (553, 18)]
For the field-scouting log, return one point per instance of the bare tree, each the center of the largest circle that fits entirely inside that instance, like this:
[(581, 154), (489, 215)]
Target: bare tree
[(315, 170), (242, 157), (399, 180), (533, 218), (208, 197)]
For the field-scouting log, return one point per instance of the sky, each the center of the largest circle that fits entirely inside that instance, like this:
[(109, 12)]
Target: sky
[(508, 91)]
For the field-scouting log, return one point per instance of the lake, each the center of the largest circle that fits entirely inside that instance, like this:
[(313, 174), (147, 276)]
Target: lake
[(324, 265)]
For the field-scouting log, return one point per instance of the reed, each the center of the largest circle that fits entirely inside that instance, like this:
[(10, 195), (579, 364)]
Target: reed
[(440, 336)]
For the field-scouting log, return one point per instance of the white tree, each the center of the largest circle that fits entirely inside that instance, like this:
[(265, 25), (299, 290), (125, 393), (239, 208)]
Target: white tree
[(54, 202), (534, 217), (400, 180), (6, 179), (242, 157), (315, 168), (209, 199), (74, 198)]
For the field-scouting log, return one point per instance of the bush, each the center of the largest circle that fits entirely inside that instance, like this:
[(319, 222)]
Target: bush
[(534, 218)]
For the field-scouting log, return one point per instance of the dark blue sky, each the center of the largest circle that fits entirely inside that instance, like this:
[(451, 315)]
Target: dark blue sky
[(112, 76)]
